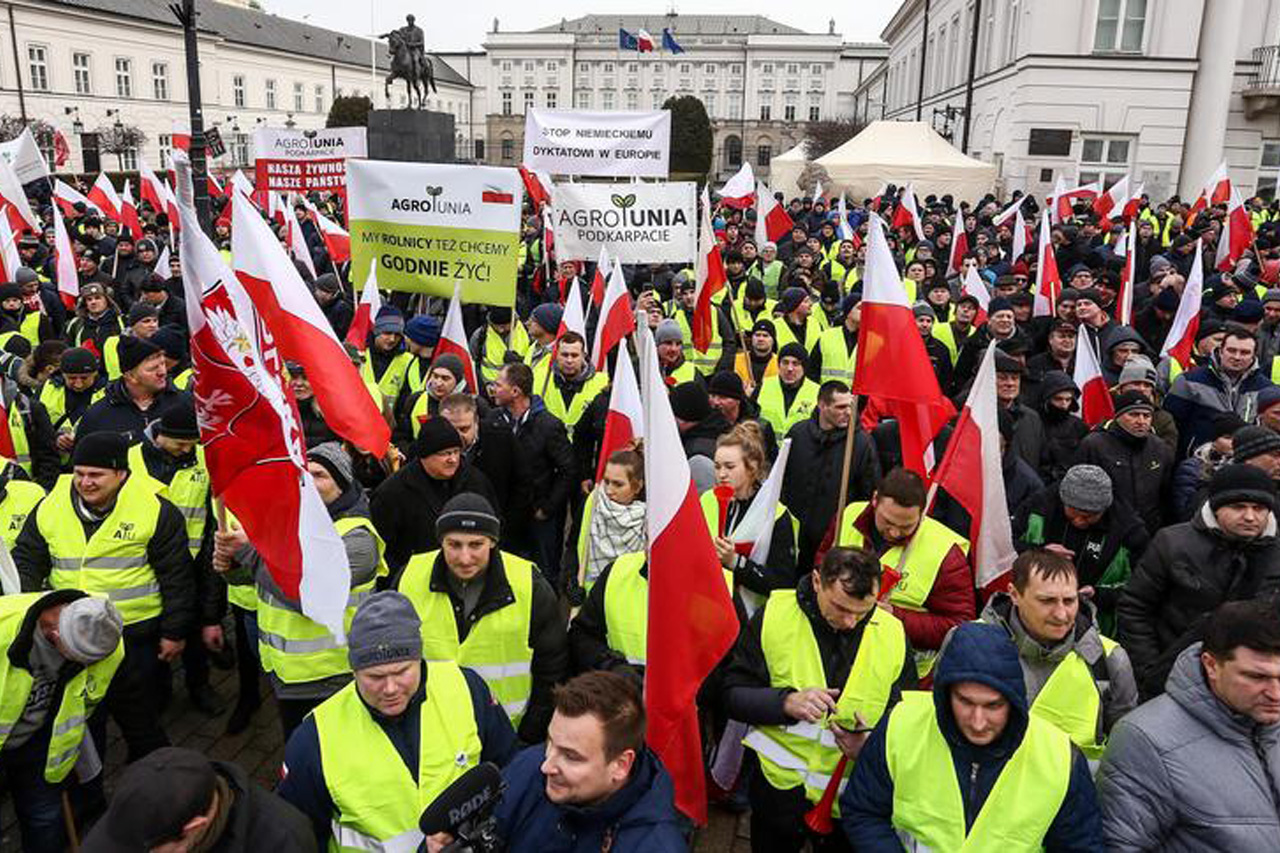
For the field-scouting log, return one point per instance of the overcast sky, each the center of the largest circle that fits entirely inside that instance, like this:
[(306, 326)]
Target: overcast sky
[(461, 26)]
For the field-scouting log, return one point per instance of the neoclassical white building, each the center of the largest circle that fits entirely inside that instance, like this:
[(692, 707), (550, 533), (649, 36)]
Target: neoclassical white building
[(1162, 89), (85, 64), (759, 79)]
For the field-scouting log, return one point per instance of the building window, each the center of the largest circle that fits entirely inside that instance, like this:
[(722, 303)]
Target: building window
[(529, 81), (584, 68), (606, 100), (528, 101), (240, 148), (129, 160), (271, 94), (607, 68), (764, 153), (658, 100), (789, 107), (552, 65), (508, 149), (1120, 25), (80, 70), (506, 65), (633, 100), (584, 101), (165, 141), (237, 90), (479, 150), (506, 103), (736, 69), (815, 112), (735, 106), (160, 80), (38, 58), (319, 98), (1104, 159), (299, 98), (766, 112), (528, 65), (124, 77), (686, 68), (709, 100), (1011, 32), (551, 100), (733, 151), (1269, 170)]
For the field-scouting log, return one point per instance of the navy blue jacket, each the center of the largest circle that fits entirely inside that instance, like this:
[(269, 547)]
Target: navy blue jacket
[(641, 817), (303, 784), (985, 654)]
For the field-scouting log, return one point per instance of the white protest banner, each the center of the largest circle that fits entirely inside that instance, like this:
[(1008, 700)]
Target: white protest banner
[(636, 223), (24, 156), (428, 225), (305, 160), (616, 144)]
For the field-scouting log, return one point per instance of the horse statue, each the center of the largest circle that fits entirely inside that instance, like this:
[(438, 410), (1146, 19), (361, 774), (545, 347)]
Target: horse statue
[(404, 67)]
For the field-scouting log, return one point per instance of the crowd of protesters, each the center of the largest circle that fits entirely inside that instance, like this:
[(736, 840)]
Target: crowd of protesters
[(1122, 694)]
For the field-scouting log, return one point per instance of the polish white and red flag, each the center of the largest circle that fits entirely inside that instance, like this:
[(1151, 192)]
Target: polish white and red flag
[(67, 197), (337, 241), (691, 619), (772, 220), (156, 192), (740, 190), (1127, 248), (297, 242), (600, 278), (1021, 236), (844, 229), (572, 318), (302, 332), (624, 422), (1135, 201), (129, 212), (21, 216), (8, 247), (251, 433), (907, 213), (753, 537), (1048, 279), (1113, 201), (66, 272), (710, 278), (971, 284), (1180, 340), (1095, 397), (366, 311), (1003, 216), (216, 189), (959, 245), (241, 183), (1237, 233), (617, 318), (537, 185), (453, 339), (103, 195), (971, 472), (893, 366)]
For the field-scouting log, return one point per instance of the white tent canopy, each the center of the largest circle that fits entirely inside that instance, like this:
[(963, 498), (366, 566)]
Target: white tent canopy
[(785, 169), (902, 152)]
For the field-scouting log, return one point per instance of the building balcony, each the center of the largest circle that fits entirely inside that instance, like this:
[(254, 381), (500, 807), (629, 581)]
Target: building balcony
[(1262, 90)]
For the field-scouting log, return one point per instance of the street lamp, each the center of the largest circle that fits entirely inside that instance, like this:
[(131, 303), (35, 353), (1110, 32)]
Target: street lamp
[(77, 126), (289, 122)]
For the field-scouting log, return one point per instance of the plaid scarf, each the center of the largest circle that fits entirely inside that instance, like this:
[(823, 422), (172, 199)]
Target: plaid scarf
[(616, 529)]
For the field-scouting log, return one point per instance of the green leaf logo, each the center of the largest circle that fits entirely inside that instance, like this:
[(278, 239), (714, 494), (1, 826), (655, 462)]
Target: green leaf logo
[(623, 201), (434, 191)]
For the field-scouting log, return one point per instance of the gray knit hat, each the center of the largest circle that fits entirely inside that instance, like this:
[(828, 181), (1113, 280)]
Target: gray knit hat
[(1086, 488), (668, 330), (1252, 441), (90, 629), (924, 309), (1138, 368), (385, 629), (335, 460)]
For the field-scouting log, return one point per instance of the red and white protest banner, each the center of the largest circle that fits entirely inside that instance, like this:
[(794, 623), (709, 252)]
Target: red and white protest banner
[(303, 161)]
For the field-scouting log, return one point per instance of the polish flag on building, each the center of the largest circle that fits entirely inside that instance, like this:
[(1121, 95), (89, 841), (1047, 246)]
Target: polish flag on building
[(691, 620), (959, 246), (971, 473), (710, 278), (103, 195), (645, 42), (1095, 398), (251, 434), (624, 422), (65, 262), (1113, 200), (892, 364), (740, 190), (772, 220), (1181, 338), (617, 318), (366, 311), (1237, 233), (302, 332), (129, 212), (1127, 248), (453, 338), (907, 213), (67, 197), (21, 217), (599, 278), (1048, 279)]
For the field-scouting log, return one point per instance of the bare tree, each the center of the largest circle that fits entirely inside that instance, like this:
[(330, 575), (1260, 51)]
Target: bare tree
[(811, 176), (11, 128), (119, 138), (821, 137)]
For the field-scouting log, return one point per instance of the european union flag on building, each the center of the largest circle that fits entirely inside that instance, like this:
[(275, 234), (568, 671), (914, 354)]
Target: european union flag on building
[(627, 41), (669, 42)]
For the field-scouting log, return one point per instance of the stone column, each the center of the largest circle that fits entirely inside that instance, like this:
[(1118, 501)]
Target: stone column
[(1211, 88)]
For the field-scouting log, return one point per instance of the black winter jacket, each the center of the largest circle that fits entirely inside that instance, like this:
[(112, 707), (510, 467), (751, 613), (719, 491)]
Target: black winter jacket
[(1141, 469), (404, 508)]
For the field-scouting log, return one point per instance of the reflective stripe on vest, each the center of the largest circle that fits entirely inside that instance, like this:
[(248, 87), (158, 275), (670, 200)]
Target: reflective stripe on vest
[(20, 498), (1071, 701), (703, 362), (806, 753), (80, 695), (376, 800), (927, 804), (772, 403), (497, 645), (113, 562), (298, 650), (837, 360), (188, 491)]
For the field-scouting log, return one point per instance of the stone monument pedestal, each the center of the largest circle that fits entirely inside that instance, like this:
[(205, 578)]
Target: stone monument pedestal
[(415, 136)]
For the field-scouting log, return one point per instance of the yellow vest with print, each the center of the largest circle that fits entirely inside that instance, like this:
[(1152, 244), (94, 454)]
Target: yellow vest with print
[(806, 753), (20, 498), (80, 695), (773, 404), (376, 801), (113, 562), (497, 645), (927, 804), (297, 649)]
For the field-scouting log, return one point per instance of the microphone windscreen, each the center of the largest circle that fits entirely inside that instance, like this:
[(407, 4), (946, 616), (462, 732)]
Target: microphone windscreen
[(468, 794)]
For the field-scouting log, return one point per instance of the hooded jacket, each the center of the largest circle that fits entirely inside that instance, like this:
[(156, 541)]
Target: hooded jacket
[(1198, 395), (1117, 336), (1187, 571), (1186, 773), (640, 817), (982, 654), (1063, 431)]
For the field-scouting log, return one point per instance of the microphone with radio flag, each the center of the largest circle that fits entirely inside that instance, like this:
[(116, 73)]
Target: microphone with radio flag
[(465, 811)]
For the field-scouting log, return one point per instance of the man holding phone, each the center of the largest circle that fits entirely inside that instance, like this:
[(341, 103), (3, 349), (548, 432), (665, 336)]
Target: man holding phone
[(815, 669)]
